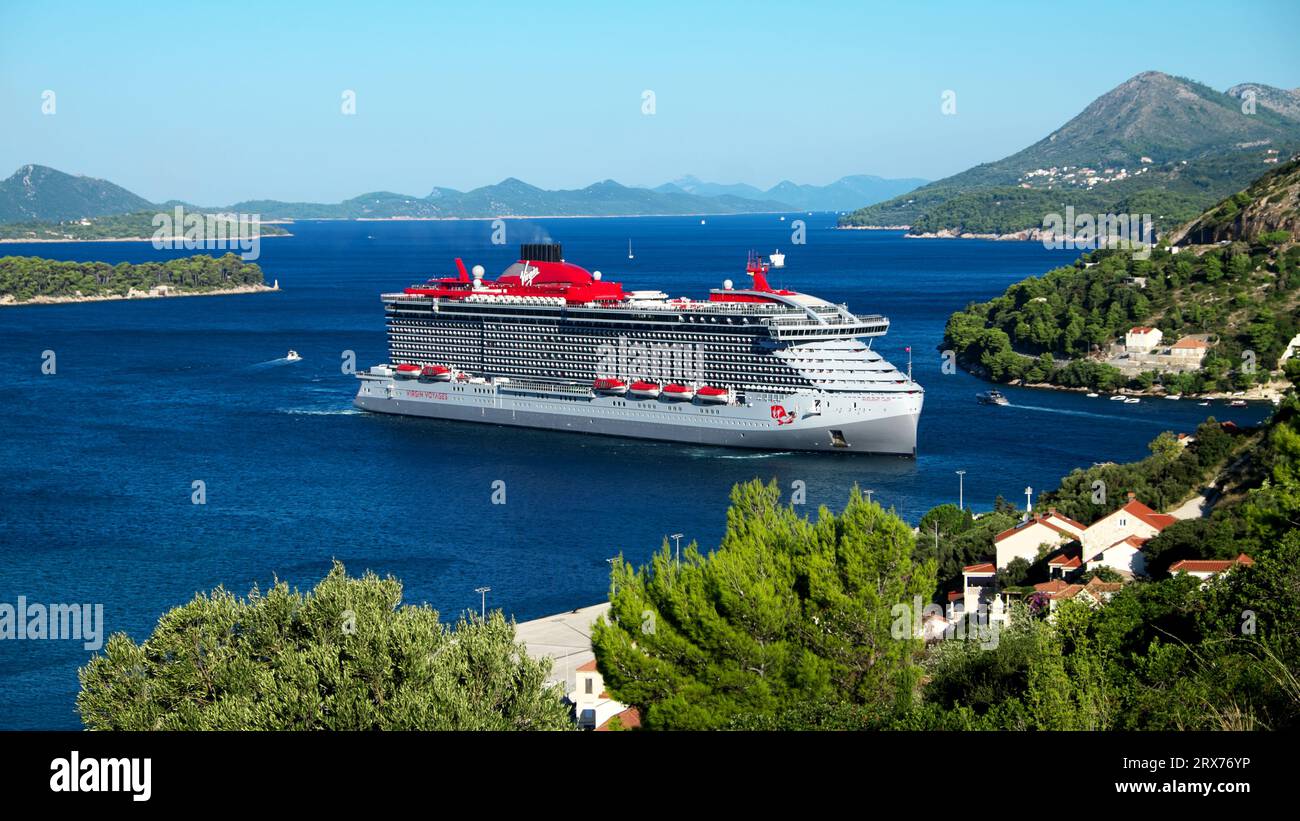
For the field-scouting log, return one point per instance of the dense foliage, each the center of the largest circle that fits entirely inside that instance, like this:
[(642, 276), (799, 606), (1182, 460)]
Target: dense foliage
[(345, 656), (1044, 329), (786, 610), (25, 278)]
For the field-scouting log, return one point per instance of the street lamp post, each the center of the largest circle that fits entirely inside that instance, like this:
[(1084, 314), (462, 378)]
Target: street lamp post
[(482, 592), (677, 537), (961, 490)]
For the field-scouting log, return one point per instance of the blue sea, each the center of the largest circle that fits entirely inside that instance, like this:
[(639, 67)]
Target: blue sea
[(150, 396)]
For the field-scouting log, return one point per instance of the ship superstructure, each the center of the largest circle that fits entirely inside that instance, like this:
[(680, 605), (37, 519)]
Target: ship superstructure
[(548, 344)]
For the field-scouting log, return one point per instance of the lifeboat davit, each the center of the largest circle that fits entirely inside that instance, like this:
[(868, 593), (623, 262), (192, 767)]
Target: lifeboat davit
[(435, 373), (682, 393), (610, 387), (644, 390), (407, 371), (712, 395)]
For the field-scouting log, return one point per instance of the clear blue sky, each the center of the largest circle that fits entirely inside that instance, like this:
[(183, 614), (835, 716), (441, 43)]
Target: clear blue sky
[(217, 102)]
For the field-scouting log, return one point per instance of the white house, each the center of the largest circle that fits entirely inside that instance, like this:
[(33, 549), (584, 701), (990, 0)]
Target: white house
[(1024, 540), (977, 585), (1142, 339), (592, 705), (1190, 348), (1116, 540)]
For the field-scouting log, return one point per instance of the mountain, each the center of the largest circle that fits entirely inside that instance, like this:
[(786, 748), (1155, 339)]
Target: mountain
[(1155, 144), (844, 194), (36, 192), (1280, 100), (514, 198)]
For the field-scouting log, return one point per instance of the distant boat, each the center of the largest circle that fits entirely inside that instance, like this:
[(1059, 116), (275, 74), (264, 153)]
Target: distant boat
[(1174, 396), (777, 259), (1131, 400), (1117, 398), (991, 398), (629, 250), (292, 356), (1203, 404), (782, 219), (1092, 396), (701, 222), (1237, 403)]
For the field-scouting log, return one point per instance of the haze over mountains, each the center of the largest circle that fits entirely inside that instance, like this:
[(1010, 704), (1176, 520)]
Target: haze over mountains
[(1155, 144), (37, 193), (844, 194)]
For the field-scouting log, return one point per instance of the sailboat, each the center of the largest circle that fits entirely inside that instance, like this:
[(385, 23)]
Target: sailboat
[(629, 250)]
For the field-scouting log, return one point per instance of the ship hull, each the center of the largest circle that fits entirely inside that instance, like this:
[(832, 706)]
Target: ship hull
[(845, 423)]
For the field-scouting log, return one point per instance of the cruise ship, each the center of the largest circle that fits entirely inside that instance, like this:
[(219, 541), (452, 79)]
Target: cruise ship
[(548, 344)]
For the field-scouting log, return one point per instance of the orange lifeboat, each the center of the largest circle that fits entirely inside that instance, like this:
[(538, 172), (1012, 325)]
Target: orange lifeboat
[(644, 390), (680, 393), (712, 395), (609, 387)]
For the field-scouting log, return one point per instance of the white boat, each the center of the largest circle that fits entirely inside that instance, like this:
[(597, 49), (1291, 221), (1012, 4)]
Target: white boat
[(1203, 404), (992, 398), (1131, 400), (1093, 395), (777, 259), (1117, 398), (292, 356), (1174, 396), (1237, 403), (629, 250)]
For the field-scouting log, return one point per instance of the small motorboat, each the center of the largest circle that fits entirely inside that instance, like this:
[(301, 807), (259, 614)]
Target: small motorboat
[(644, 390), (1117, 398), (407, 371), (777, 259), (435, 373), (1237, 403), (609, 387), (991, 398), (1131, 400), (1174, 396), (681, 393), (1093, 395), (1203, 404), (292, 356), (713, 396)]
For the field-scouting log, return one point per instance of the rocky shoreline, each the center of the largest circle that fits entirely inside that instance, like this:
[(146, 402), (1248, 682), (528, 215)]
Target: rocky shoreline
[(7, 300)]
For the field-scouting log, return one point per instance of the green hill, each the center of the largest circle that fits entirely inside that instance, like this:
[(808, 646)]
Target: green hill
[(38, 193), (1155, 144), (1241, 293)]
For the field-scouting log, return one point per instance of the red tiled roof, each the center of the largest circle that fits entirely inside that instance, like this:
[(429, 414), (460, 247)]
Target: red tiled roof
[(954, 595), (630, 719), (1189, 342), (1208, 565), (1157, 520), (1140, 329), (1052, 587), (1131, 541), (588, 667), (1065, 561), (983, 567), (1054, 515)]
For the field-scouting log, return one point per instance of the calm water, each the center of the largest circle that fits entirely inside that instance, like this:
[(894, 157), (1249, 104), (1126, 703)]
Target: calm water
[(98, 460)]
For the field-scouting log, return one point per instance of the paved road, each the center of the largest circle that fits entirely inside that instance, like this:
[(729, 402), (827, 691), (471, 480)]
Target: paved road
[(565, 638)]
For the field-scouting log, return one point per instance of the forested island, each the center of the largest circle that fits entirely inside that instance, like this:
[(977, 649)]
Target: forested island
[(1211, 311), (138, 225), (26, 280)]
